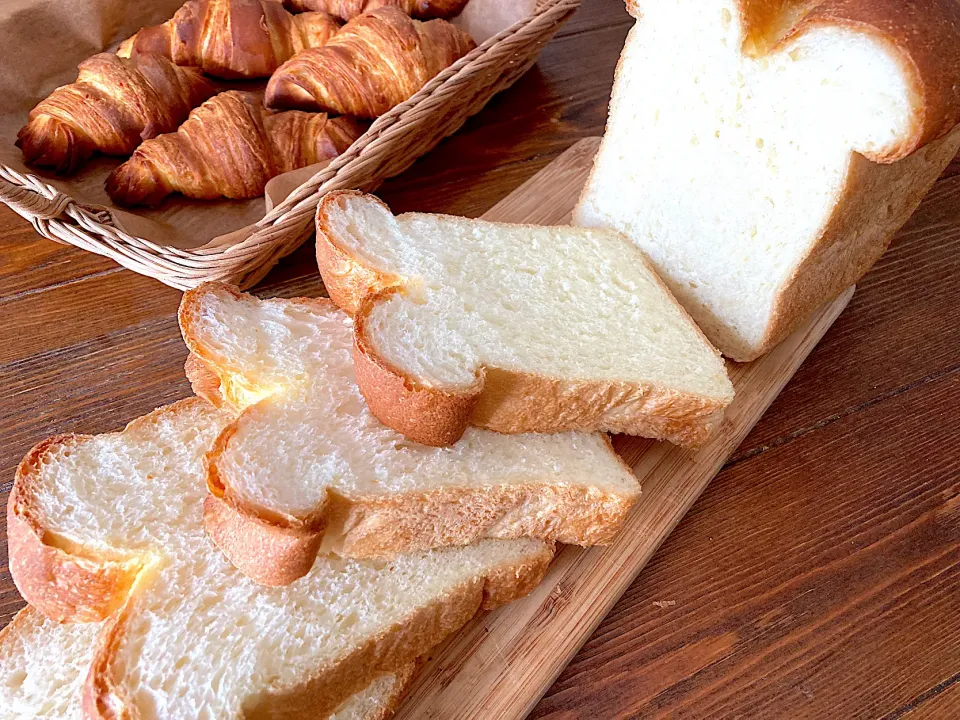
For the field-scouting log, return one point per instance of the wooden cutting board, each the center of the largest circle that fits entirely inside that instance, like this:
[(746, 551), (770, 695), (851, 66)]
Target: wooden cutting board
[(502, 663)]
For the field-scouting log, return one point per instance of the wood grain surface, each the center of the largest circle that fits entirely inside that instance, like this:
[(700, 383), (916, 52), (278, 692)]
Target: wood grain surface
[(818, 575)]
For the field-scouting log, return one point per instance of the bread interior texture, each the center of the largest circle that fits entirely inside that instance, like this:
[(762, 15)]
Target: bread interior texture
[(559, 302), (723, 160)]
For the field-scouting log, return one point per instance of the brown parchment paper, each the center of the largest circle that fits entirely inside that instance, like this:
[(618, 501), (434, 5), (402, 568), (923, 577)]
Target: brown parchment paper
[(43, 41)]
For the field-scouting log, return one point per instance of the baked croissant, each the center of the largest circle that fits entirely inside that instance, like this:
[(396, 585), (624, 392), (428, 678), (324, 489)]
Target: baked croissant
[(229, 147), (378, 60), (349, 9), (113, 106), (233, 38)]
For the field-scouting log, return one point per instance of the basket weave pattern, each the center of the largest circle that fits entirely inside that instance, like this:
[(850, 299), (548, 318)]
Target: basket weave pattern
[(388, 148)]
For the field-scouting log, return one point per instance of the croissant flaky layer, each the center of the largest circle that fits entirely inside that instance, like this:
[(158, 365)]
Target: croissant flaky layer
[(229, 147), (375, 62), (113, 106), (233, 38), (349, 9)]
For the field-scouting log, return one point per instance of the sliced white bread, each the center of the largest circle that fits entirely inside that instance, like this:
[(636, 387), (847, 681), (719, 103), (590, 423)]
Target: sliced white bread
[(44, 664), (306, 467), (110, 528), (514, 328), (762, 154)]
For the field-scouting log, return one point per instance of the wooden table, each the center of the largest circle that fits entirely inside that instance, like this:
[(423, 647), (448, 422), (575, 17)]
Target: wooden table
[(818, 576)]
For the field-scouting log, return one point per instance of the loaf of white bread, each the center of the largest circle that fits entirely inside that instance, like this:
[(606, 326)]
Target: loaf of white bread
[(306, 468), (108, 529), (44, 666), (762, 154), (514, 328)]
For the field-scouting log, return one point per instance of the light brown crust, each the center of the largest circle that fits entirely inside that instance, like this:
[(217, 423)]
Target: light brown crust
[(501, 400), (65, 582), (348, 281), (328, 686), (925, 36), (204, 381), (876, 200)]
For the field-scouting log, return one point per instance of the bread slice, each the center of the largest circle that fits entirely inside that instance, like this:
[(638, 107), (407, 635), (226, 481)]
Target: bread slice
[(307, 468), (763, 154), (43, 666), (110, 527), (514, 328)]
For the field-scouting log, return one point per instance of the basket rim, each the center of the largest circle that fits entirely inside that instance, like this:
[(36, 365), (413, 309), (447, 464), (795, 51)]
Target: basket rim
[(60, 217)]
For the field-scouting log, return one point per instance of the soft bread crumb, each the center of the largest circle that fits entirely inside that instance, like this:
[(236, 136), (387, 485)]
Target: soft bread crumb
[(200, 640), (724, 165)]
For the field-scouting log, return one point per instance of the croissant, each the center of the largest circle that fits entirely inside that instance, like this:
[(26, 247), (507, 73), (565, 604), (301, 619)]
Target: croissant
[(378, 60), (113, 106), (233, 38), (229, 147), (349, 9)]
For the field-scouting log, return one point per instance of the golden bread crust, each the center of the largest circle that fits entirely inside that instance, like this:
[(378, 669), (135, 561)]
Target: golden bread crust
[(276, 548), (501, 400), (866, 216)]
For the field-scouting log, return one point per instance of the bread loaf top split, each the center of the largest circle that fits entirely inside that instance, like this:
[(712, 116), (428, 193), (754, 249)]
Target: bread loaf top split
[(762, 154)]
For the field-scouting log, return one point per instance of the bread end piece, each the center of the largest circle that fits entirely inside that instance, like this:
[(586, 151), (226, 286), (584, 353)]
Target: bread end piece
[(48, 142)]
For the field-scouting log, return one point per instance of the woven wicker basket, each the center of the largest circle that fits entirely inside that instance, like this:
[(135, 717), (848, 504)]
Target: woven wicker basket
[(389, 147)]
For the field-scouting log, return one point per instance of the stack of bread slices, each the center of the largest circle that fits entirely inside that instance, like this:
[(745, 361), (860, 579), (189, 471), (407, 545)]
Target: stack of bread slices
[(358, 476)]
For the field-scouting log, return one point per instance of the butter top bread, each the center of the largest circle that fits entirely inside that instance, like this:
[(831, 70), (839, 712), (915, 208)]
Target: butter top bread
[(762, 154), (110, 528), (307, 468), (513, 328), (233, 38)]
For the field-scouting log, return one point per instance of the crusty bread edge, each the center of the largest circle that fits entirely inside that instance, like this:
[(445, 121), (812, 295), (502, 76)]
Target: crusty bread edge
[(383, 528), (815, 280), (347, 280), (517, 402), (427, 415), (829, 267), (64, 583), (267, 553)]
